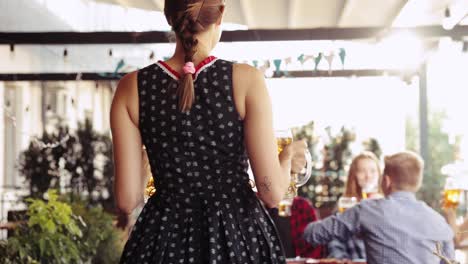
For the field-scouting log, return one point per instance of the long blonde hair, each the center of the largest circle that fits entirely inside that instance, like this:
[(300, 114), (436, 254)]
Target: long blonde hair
[(352, 186)]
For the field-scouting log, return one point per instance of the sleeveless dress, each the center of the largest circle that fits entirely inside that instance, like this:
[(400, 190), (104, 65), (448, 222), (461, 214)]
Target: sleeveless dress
[(204, 210)]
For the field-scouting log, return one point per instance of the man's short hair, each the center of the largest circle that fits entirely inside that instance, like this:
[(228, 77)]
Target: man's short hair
[(405, 169)]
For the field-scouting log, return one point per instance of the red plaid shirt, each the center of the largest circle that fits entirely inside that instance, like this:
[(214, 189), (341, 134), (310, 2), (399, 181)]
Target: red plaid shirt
[(302, 213)]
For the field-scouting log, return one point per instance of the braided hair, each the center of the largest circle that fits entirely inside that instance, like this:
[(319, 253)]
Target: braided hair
[(188, 18)]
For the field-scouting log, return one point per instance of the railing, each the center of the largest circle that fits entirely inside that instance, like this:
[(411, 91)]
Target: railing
[(10, 199)]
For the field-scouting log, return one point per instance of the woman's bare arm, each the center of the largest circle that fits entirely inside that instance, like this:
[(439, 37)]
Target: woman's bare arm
[(129, 183)]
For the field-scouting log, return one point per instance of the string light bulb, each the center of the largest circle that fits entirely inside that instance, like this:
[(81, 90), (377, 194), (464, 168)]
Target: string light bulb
[(12, 51), (65, 55), (446, 24)]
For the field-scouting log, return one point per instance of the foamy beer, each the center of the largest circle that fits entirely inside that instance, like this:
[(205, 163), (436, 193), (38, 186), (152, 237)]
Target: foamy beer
[(370, 189), (284, 138), (364, 195), (368, 192), (150, 189), (282, 142), (452, 193), (284, 208), (345, 203), (452, 198)]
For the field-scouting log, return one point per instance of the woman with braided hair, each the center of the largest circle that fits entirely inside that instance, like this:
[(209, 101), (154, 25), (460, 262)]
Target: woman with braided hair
[(201, 119)]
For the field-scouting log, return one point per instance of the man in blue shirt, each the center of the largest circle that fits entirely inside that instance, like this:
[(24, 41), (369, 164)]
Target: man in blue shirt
[(398, 229)]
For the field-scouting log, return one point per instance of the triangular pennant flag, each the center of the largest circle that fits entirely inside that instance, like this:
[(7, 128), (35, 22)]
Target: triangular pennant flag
[(301, 58), (255, 63), (342, 55), (288, 62), (329, 59), (119, 66), (317, 60), (277, 64), (263, 69)]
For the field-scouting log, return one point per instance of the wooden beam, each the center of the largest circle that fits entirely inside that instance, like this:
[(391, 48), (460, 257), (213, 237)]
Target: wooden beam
[(346, 10), (73, 76), (343, 73), (341, 11), (58, 38), (61, 38), (293, 8), (123, 3), (352, 33), (247, 12), (395, 12), (92, 76)]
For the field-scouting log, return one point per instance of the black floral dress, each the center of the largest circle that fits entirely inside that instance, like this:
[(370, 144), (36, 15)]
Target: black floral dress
[(204, 210)]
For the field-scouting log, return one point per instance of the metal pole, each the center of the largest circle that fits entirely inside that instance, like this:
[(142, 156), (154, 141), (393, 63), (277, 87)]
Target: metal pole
[(423, 118)]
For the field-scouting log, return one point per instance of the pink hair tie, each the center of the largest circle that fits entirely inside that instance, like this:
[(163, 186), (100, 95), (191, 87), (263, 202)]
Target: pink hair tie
[(189, 67)]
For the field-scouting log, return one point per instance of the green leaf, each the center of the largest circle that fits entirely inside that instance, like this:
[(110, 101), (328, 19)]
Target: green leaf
[(41, 246), (74, 230), (50, 226)]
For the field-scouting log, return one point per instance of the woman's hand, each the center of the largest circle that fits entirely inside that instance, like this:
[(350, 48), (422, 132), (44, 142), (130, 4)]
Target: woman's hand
[(298, 150)]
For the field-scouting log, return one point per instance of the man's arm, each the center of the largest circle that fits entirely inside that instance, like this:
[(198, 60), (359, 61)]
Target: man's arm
[(339, 226), (337, 249), (448, 250)]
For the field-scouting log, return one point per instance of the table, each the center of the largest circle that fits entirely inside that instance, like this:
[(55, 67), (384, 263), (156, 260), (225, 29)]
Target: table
[(320, 261)]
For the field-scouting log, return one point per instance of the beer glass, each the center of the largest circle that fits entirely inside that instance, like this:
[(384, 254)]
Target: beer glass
[(150, 189), (345, 203), (452, 193), (370, 189), (284, 138)]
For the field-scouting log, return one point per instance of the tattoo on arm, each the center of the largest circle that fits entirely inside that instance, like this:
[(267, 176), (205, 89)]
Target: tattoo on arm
[(266, 184)]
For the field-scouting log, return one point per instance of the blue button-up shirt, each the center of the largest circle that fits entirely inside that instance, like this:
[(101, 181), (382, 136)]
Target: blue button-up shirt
[(396, 230), (353, 248)]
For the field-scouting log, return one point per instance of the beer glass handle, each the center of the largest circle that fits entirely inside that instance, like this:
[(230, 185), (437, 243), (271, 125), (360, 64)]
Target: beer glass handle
[(306, 172)]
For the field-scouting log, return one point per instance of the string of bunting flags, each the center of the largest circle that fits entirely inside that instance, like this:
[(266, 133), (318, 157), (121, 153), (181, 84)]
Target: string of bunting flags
[(281, 66), (278, 64)]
